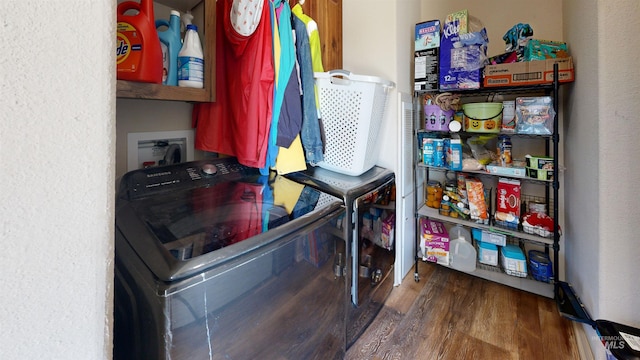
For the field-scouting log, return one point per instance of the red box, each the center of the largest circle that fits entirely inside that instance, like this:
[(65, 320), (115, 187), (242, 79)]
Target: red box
[(508, 202)]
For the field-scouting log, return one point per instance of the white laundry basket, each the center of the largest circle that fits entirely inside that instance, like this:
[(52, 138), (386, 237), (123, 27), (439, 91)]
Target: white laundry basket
[(351, 108)]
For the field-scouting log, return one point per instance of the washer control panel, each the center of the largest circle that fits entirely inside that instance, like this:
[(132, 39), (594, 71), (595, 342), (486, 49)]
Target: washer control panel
[(151, 181)]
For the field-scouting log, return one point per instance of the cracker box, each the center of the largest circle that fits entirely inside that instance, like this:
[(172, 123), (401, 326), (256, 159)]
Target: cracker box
[(426, 55), (477, 202), (434, 241)]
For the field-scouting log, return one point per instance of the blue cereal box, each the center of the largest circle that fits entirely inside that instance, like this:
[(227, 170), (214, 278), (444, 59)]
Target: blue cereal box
[(426, 55), (427, 35)]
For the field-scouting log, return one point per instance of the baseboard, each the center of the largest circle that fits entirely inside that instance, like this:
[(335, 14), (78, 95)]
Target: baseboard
[(584, 347)]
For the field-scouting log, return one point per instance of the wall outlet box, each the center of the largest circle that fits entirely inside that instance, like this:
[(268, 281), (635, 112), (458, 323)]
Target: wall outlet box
[(147, 149)]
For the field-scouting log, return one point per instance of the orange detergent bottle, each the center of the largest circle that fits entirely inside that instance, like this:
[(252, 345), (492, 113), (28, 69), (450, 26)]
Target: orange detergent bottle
[(138, 51)]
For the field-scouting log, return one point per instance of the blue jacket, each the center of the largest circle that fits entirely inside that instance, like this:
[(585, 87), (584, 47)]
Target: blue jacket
[(310, 133)]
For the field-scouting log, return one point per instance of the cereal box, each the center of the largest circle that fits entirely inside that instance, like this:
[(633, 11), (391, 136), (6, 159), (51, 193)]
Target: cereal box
[(426, 55)]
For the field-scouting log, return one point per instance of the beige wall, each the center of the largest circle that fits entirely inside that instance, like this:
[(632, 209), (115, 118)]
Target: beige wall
[(498, 16)]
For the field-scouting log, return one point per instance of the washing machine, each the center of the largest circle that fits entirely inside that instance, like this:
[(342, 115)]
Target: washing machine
[(214, 260), (370, 211)]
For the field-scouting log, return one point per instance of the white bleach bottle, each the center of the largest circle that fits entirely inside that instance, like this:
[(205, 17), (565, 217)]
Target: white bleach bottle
[(191, 60)]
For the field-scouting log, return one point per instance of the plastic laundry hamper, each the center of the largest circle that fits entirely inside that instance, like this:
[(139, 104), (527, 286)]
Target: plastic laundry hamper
[(351, 108)]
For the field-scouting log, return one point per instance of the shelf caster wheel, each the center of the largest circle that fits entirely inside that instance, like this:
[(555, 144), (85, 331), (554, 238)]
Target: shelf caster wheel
[(416, 277)]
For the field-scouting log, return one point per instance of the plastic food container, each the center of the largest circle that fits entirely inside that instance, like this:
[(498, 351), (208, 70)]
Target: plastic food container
[(513, 260), (482, 117), (487, 253), (436, 119), (540, 266)]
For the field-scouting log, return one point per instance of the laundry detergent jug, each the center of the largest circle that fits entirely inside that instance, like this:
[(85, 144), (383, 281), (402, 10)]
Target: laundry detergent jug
[(171, 43), (138, 51)]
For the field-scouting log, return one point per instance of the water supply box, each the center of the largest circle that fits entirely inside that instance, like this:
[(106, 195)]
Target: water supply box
[(528, 72), (426, 55)]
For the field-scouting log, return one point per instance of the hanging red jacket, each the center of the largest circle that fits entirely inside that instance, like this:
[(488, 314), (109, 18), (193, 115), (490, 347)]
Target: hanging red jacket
[(238, 123)]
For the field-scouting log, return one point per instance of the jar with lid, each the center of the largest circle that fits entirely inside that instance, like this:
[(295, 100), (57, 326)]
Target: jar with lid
[(445, 206), (504, 150), (434, 194)]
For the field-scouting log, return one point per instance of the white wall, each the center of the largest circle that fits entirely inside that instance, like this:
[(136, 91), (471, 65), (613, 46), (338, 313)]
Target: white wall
[(134, 116), (376, 41), (602, 135), (57, 136)]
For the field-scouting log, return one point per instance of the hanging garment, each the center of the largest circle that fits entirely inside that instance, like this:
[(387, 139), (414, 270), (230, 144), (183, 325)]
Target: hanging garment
[(290, 120), (239, 122), (314, 37), (310, 130), (282, 25)]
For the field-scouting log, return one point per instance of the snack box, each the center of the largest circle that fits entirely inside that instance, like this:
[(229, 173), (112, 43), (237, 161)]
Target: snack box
[(540, 174), (434, 241), (535, 115), (528, 72), (539, 162), (517, 168), (539, 167), (387, 231), (537, 49)]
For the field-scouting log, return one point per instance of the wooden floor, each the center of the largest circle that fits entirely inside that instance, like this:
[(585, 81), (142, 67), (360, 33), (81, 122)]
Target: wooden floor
[(453, 315)]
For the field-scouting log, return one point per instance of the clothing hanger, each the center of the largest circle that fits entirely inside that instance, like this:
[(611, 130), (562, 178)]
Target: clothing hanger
[(301, 2)]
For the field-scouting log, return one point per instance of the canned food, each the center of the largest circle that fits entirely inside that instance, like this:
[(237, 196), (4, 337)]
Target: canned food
[(434, 194)]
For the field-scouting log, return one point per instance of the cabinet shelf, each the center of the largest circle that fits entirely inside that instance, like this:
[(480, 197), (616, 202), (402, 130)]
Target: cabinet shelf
[(485, 173), (138, 90), (432, 213), (205, 16), (469, 134), (515, 90)]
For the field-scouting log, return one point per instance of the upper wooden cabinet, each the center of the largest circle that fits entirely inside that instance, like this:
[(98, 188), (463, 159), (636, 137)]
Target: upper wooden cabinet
[(204, 12), (328, 15)]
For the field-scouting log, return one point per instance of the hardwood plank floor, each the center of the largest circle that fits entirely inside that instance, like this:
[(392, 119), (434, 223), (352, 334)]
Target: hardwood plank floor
[(453, 315)]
